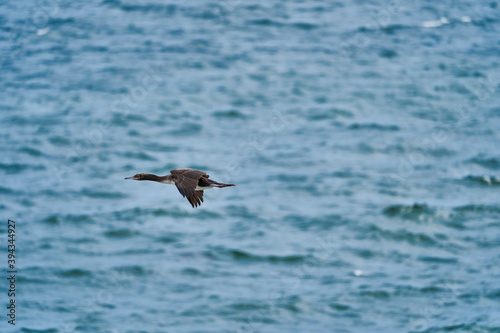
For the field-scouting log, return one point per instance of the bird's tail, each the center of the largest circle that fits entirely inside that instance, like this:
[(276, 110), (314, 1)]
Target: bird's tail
[(216, 184)]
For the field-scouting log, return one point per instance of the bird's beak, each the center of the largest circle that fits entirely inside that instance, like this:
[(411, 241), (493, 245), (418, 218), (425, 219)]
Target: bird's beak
[(133, 178)]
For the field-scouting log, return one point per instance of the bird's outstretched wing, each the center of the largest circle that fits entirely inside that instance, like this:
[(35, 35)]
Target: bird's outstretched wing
[(196, 199), (186, 181)]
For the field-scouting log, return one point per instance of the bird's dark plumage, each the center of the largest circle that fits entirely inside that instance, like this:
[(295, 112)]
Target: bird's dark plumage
[(186, 181), (189, 182)]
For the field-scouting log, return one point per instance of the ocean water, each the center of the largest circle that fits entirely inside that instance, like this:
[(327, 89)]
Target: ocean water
[(362, 136)]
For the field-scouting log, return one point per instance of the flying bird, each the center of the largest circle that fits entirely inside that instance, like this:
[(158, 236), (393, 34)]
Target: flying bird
[(190, 183)]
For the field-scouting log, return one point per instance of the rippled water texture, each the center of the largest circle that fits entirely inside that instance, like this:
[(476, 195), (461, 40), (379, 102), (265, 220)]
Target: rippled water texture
[(362, 137)]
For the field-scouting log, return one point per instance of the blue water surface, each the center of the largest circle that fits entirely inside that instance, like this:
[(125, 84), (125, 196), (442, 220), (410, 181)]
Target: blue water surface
[(362, 136)]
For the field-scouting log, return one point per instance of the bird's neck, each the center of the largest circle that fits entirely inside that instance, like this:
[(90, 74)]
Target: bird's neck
[(152, 177), (164, 179)]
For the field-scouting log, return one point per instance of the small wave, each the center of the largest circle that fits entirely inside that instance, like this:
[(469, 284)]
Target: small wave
[(166, 239), (190, 271), (495, 294), (168, 9), (464, 72), (440, 152), (134, 213), (326, 222), (339, 306), (30, 330), (187, 129), (483, 180), (17, 120), (230, 114), (242, 212), (389, 29), (418, 239), (165, 212), (312, 189), (139, 156), (30, 151), (102, 195), (304, 26), (94, 48), (408, 212), (17, 167), (333, 113), (55, 219), (291, 306), (128, 214), (287, 303), (61, 21), (439, 260), (120, 233), (173, 49), (157, 147), (265, 22), (76, 272), (347, 173), (59, 141), (23, 279), (489, 163), (365, 253), (436, 23), (478, 208), (248, 306), (133, 270), (430, 289), (386, 53), (375, 293), (288, 178), (240, 255), (5, 190), (140, 252), (374, 126)]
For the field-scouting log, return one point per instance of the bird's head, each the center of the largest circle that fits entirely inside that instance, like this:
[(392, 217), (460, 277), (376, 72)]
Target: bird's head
[(139, 176)]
